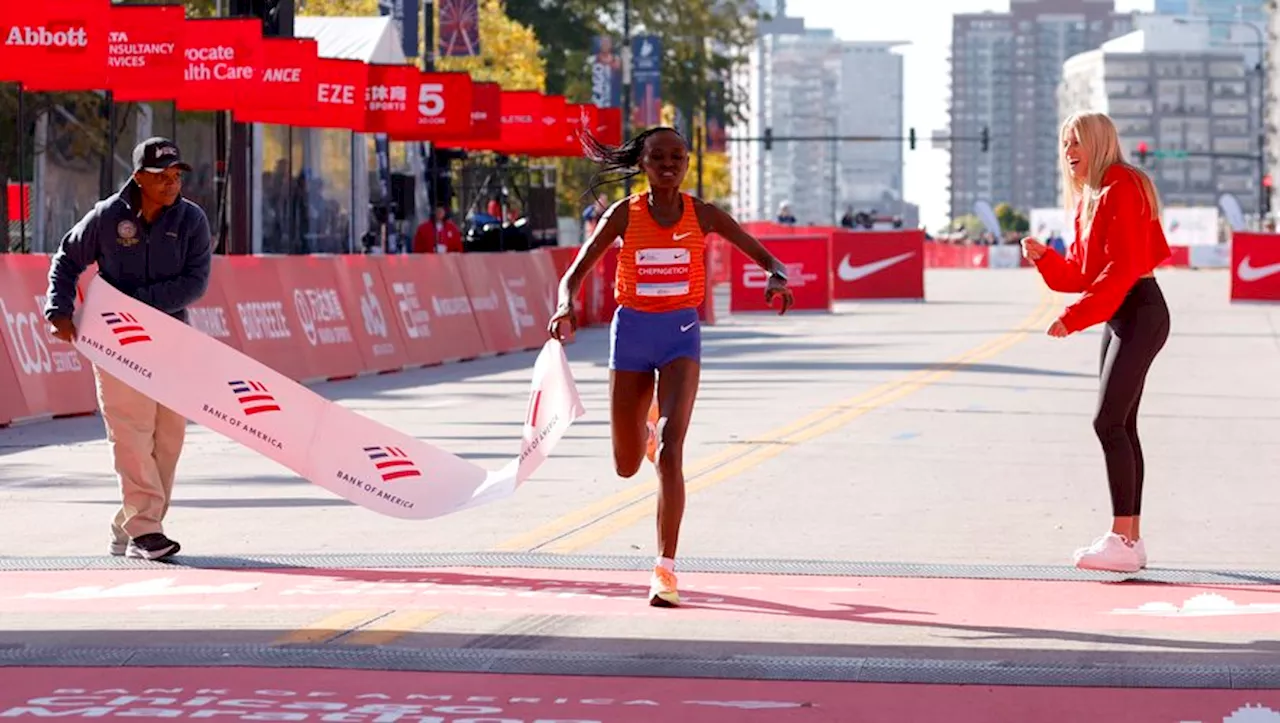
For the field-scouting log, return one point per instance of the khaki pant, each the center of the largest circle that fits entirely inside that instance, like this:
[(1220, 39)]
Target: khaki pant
[(146, 440)]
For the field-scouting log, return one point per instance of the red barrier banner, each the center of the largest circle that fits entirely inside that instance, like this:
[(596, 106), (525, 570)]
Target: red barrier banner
[(499, 327), (601, 288), (878, 264), (955, 256), (212, 314), (808, 262), (286, 84), (327, 340), (145, 60), (223, 62), (523, 292), (54, 378), (50, 46), (267, 332), (12, 403), (364, 295), (1179, 257), (430, 304), (1255, 266)]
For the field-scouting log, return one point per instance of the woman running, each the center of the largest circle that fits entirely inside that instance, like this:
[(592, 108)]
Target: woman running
[(660, 284), (1119, 241)]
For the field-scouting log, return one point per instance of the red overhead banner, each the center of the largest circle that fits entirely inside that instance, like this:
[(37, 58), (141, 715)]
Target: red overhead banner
[(521, 122), (340, 93), (608, 127), (223, 62), (389, 96), (442, 109), (285, 87), (486, 119), (145, 61), (54, 45)]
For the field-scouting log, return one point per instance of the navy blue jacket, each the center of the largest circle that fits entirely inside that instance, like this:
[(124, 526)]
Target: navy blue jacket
[(164, 264)]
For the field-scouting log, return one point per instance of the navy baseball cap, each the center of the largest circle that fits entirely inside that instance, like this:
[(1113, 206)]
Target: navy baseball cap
[(156, 154)]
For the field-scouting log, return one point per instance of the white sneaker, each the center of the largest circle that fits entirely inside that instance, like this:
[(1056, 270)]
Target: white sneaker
[(1140, 547), (1111, 552)]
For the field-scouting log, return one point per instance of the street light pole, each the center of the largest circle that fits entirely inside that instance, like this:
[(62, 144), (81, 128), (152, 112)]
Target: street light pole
[(626, 82)]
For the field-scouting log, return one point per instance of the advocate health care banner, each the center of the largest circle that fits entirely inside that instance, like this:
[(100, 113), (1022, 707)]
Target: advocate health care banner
[(352, 456)]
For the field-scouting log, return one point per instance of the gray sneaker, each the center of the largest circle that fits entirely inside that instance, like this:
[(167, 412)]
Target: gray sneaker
[(153, 546)]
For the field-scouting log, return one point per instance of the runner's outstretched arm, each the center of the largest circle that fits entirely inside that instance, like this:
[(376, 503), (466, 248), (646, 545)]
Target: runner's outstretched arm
[(612, 226), (715, 220)]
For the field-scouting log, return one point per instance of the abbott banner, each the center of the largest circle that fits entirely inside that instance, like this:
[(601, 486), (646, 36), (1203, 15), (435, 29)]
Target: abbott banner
[(350, 455)]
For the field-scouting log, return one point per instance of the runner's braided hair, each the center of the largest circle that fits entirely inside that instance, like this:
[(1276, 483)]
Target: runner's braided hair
[(615, 159)]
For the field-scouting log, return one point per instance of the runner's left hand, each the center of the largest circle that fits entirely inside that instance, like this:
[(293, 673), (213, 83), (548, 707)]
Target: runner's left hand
[(778, 288), (1058, 329)]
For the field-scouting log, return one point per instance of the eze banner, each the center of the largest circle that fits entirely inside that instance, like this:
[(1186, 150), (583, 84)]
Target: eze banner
[(368, 463)]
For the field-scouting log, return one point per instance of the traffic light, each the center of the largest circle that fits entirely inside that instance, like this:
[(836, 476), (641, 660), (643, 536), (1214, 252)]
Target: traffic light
[(1142, 152), (911, 138), (986, 139), (276, 15), (768, 139)]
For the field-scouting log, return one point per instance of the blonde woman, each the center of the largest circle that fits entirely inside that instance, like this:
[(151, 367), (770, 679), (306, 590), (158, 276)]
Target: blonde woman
[(1119, 241)]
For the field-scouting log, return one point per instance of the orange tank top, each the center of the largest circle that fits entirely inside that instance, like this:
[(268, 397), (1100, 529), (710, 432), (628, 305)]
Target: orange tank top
[(661, 269)]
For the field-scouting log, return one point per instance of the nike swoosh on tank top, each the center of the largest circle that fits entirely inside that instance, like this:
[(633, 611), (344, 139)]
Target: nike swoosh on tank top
[(661, 269)]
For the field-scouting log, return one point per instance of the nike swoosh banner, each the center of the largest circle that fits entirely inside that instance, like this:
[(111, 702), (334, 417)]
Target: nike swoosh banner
[(368, 463), (878, 264), (1255, 266)]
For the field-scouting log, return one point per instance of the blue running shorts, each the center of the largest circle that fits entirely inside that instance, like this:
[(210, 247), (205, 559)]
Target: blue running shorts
[(643, 341)]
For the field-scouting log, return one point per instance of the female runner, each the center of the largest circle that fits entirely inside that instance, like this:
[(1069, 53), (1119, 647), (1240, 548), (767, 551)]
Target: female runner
[(660, 284), (1119, 240)]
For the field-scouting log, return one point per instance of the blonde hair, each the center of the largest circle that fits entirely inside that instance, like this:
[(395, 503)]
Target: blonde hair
[(1101, 145)]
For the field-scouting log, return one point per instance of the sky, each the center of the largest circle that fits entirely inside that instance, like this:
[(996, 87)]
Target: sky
[(927, 27)]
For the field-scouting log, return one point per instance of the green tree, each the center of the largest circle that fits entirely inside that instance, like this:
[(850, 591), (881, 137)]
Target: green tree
[(1011, 219)]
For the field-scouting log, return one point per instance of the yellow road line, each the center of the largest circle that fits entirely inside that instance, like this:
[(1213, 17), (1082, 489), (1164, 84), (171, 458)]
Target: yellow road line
[(391, 628), (584, 526), (328, 627)]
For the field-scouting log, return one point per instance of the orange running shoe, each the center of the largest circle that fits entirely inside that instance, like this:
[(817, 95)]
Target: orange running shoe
[(662, 588), (651, 450)]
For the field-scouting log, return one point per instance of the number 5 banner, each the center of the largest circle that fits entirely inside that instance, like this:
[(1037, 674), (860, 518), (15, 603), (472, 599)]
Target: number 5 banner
[(442, 108), (372, 465)]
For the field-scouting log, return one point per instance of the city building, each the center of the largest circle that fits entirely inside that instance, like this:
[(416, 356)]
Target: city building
[(1193, 105), (1005, 69), (807, 83), (1224, 18)]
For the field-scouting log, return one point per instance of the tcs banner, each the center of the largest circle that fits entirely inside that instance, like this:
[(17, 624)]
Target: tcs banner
[(1255, 266), (354, 457)]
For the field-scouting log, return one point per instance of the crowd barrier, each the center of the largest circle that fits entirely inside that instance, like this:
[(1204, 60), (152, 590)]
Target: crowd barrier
[(312, 318), (1255, 266)]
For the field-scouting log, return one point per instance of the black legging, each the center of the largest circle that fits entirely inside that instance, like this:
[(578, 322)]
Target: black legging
[(1130, 342)]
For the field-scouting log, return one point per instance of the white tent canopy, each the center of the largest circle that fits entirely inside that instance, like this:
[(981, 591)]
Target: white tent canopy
[(368, 39)]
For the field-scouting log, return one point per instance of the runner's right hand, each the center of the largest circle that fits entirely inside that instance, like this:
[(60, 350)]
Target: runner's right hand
[(563, 315), (64, 329), (1033, 249)]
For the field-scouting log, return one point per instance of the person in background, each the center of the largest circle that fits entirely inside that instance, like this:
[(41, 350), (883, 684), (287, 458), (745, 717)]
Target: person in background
[(1119, 241), (438, 235), (154, 245), (784, 214)]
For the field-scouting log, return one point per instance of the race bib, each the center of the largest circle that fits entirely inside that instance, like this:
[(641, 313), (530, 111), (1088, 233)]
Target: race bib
[(662, 272)]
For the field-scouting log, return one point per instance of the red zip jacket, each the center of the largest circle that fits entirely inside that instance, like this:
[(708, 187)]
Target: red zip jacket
[(1124, 244)]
